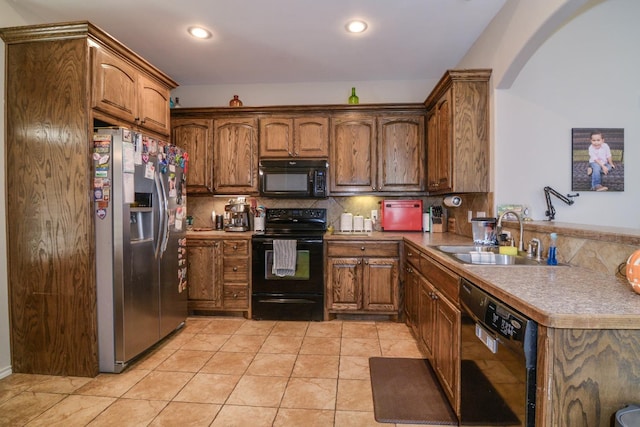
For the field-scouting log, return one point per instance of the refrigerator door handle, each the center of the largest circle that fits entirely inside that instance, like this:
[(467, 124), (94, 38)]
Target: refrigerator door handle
[(165, 213), (162, 207)]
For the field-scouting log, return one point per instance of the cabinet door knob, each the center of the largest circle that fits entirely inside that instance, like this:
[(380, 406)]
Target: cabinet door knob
[(235, 247), (235, 296), (235, 268), (359, 262), (409, 254), (366, 261), (362, 248)]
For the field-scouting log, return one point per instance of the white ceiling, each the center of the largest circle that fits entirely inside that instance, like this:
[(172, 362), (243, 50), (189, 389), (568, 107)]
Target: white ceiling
[(284, 41)]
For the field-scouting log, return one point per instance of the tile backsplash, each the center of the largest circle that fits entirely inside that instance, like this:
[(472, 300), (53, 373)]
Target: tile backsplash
[(200, 207), (580, 246)]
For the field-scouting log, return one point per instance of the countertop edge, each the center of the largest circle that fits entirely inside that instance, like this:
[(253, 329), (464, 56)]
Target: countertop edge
[(616, 305)]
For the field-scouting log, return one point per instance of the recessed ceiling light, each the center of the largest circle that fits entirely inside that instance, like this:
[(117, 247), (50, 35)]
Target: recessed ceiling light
[(356, 26), (199, 32)]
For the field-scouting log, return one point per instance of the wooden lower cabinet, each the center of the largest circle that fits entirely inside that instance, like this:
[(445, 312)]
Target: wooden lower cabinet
[(362, 277), (446, 348), (218, 274), (435, 317)]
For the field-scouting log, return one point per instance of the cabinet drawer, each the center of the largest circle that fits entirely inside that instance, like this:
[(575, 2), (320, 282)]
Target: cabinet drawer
[(235, 247), (412, 255), (236, 296), (382, 249), (235, 269), (442, 278)]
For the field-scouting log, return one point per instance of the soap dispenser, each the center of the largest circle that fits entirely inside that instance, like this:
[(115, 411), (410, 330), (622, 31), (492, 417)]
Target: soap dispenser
[(552, 260)]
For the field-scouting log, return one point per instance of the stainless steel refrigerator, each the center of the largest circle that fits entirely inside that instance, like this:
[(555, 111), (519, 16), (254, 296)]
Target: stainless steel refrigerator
[(140, 207)]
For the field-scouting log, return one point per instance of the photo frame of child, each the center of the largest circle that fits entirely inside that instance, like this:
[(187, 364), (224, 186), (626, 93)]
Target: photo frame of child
[(597, 159)]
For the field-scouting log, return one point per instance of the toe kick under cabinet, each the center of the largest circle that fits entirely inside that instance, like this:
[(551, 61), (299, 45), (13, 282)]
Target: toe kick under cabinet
[(219, 274), (362, 278)]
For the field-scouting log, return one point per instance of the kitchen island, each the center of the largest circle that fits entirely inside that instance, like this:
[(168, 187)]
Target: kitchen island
[(588, 335)]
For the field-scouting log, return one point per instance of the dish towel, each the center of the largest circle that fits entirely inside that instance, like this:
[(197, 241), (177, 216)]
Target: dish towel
[(284, 258)]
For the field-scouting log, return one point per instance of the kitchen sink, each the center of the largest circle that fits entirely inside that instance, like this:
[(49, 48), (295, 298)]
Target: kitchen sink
[(497, 259), (487, 255), (462, 249)]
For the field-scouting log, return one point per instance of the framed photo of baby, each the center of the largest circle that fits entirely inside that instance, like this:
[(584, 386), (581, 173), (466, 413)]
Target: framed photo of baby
[(597, 159)]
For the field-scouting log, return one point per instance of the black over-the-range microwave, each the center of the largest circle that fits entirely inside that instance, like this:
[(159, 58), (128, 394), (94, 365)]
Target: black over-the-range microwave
[(293, 179)]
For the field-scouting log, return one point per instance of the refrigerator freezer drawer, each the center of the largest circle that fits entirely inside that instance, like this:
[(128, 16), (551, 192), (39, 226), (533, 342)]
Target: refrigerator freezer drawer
[(401, 215)]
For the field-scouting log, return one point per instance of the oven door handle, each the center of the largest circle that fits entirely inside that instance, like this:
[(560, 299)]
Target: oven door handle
[(299, 241), (287, 301)]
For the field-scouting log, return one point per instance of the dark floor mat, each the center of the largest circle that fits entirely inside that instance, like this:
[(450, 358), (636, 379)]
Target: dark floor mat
[(406, 391)]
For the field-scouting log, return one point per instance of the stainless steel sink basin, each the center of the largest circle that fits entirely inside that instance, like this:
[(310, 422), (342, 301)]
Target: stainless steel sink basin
[(497, 259), (486, 255), (462, 249)]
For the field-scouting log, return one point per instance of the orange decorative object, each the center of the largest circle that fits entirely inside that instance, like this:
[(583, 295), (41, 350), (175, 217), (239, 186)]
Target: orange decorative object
[(235, 102), (633, 271)]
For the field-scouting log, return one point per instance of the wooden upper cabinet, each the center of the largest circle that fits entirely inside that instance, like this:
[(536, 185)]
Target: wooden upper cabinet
[(306, 137), (439, 147), (235, 143), (401, 159), (353, 154), (458, 133), (377, 153), (196, 137), (311, 136), (122, 91), (153, 111), (115, 85)]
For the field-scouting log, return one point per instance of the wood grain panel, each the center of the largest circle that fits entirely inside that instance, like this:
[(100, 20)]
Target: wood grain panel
[(343, 282), (276, 137), (196, 136), (50, 240), (379, 278), (202, 273), (236, 156), (401, 153), (595, 373), (152, 103), (471, 136), (312, 136), (353, 154)]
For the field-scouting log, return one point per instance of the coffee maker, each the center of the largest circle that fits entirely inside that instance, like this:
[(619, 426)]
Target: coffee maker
[(236, 215)]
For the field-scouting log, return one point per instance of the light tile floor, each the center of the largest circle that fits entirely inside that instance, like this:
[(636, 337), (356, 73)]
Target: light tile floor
[(223, 371)]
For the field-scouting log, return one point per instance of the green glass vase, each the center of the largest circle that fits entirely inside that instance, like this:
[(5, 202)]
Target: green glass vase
[(353, 99)]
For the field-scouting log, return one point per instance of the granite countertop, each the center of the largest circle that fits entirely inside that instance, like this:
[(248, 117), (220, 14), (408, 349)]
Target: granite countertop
[(557, 297), (553, 296), (209, 233)]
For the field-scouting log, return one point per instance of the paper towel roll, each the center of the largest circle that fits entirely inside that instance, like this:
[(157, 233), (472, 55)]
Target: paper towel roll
[(452, 201), (346, 222), (425, 222), (358, 223)]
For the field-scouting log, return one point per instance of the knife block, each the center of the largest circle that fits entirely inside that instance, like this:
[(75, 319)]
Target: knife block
[(438, 220)]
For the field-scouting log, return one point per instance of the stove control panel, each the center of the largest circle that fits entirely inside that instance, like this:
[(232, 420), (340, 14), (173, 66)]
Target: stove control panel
[(297, 214)]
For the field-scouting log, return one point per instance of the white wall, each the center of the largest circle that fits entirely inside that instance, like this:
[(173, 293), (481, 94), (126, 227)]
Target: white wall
[(583, 75), (369, 92)]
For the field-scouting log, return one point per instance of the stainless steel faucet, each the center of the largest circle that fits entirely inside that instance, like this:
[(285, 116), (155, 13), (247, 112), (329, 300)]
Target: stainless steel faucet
[(499, 226), (535, 249)]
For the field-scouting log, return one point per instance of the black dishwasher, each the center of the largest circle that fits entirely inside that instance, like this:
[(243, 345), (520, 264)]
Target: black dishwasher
[(498, 371)]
